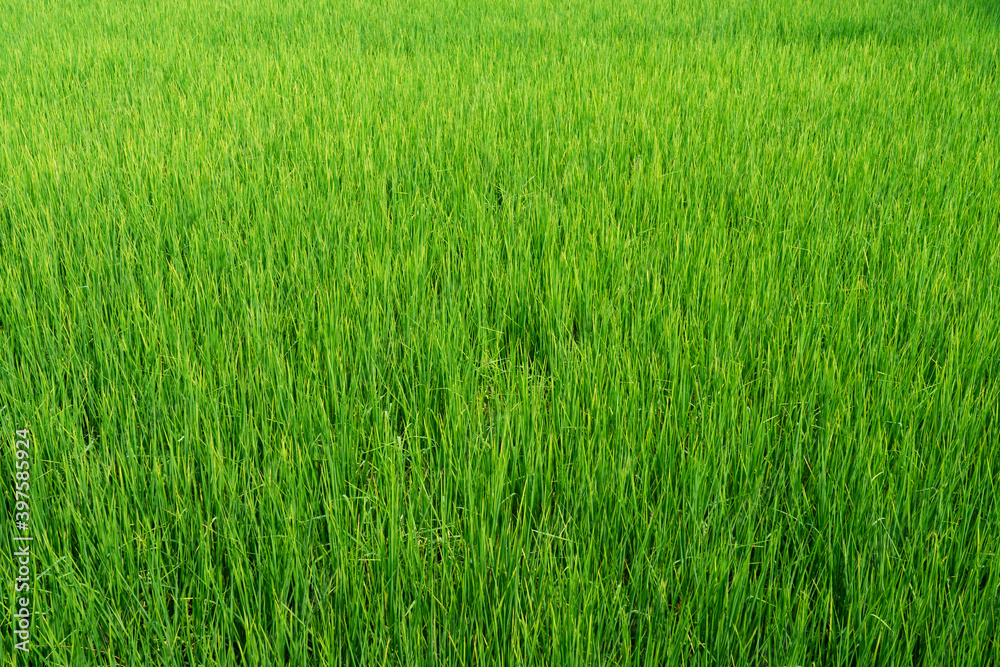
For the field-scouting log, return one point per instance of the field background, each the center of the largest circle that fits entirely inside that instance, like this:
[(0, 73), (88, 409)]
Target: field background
[(508, 332)]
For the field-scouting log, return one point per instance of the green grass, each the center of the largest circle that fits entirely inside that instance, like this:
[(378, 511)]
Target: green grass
[(454, 333)]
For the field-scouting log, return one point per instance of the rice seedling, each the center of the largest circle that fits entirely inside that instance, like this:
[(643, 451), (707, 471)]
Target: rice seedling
[(583, 333)]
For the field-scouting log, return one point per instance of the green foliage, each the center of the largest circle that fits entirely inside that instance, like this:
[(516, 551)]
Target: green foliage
[(454, 333)]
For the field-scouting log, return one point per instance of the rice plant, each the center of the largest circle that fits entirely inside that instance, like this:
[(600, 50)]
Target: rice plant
[(517, 333)]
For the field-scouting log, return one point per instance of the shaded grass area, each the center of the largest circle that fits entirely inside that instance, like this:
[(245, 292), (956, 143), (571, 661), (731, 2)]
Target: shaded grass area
[(655, 333), (991, 9)]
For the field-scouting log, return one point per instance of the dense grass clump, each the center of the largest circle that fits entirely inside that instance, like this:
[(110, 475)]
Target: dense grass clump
[(453, 333)]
